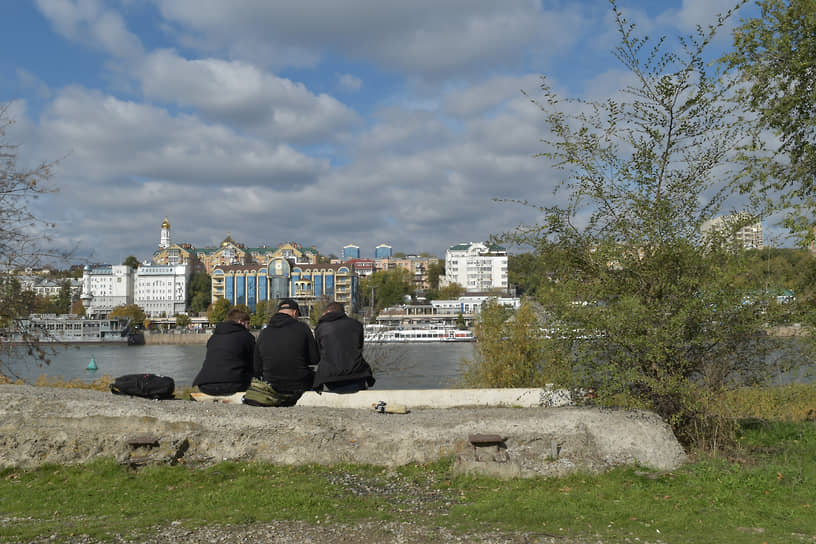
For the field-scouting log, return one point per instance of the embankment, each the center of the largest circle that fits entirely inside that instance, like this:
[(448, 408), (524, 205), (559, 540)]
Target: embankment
[(153, 338), (68, 426)]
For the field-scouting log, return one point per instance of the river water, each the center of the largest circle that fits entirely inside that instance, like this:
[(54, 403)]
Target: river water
[(396, 366)]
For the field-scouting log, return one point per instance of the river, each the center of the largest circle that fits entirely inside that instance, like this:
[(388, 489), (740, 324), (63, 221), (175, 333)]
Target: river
[(396, 366)]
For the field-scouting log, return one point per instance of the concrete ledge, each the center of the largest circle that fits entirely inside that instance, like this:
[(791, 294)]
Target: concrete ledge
[(440, 398), (68, 426)]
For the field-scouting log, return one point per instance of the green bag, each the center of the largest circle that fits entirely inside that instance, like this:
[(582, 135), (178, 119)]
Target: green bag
[(261, 393)]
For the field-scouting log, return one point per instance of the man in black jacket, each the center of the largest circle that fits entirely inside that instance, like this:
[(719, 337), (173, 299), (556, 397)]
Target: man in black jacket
[(284, 354), (227, 366), (342, 368)]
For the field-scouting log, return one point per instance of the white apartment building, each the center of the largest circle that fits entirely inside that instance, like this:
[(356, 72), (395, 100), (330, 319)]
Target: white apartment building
[(161, 290), (106, 287), (476, 266), (738, 228)]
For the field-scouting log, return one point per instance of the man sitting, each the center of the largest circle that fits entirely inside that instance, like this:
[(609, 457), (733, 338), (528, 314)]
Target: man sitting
[(227, 366), (342, 368)]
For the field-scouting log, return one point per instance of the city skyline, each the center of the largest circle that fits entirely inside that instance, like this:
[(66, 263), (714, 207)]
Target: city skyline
[(320, 122)]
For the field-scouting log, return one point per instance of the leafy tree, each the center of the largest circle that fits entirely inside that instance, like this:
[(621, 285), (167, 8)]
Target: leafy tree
[(390, 286), (200, 292), (63, 301), (636, 301), (77, 308), (182, 321), (775, 54), (133, 312), (525, 272), (217, 312), (131, 261), (317, 310), (435, 270), (264, 310), (20, 245), (509, 350), (451, 291)]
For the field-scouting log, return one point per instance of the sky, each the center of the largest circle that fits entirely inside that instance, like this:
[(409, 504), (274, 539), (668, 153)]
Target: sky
[(320, 122)]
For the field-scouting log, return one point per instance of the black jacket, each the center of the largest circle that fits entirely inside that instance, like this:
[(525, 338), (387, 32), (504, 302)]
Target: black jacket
[(340, 339), (230, 350), (283, 353)]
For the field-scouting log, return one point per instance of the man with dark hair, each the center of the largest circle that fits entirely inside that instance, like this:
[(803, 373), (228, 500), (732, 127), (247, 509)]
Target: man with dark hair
[(227, 366), (342, 368), (284, 354)]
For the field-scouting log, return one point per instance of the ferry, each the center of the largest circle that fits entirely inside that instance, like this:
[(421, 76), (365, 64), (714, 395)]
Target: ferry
[(72, 329), (418, 334)]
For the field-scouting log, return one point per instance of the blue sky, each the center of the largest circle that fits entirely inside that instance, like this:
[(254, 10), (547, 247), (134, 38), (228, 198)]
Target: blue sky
[(319, 122)]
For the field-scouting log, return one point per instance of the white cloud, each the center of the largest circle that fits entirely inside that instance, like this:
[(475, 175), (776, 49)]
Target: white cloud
[(108, 138), (239, 93), (348, 82), (90, 22)]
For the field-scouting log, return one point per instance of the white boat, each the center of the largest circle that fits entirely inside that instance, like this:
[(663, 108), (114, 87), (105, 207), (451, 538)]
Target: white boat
[(72, 329), (418, 334)]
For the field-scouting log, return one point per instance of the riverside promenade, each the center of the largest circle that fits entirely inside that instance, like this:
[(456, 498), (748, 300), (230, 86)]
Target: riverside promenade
[(504, 433)]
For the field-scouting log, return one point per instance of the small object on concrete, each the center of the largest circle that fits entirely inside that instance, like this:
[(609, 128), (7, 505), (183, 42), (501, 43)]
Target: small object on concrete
[(235, 398), (486, 439), (383, 407), (143, 440), (92, 364)]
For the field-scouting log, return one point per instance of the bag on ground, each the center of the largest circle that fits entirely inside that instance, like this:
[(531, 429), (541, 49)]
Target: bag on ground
[(149, 386), (261, 393)]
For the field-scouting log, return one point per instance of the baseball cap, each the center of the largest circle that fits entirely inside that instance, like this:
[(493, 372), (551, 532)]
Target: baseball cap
[(288, 304)]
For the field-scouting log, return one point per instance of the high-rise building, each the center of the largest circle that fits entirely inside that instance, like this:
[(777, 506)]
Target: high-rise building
[(106, 287), (351, 251), (382, 251), (477, 267), (161, 290)]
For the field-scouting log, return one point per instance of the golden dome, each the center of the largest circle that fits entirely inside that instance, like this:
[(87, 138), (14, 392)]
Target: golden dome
[(165, 223)]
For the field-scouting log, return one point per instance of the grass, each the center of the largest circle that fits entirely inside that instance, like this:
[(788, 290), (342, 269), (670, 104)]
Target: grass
[(763, 493)]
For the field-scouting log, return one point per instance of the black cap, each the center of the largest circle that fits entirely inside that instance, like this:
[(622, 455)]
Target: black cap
[(288, 304)]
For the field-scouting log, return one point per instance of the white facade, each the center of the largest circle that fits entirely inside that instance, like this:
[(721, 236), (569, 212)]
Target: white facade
[(477, 267), (107, 287), (161, 290), (738, 228), (471, 305)]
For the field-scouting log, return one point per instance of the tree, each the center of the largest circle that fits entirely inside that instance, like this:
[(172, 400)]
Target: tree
[(509, 350), (63, 300), (775, 54), (133, 312), (452, 291), (182, 321), (390, 286), (435, 270), (635, 300), (131, 261), (217, 312), (200, 292), (264, 310), (23, 236)]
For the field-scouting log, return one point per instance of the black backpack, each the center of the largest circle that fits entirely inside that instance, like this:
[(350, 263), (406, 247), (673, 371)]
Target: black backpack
[(150, 386)]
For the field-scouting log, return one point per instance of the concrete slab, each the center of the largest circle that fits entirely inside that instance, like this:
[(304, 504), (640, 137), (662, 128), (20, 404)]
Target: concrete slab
[(439, 398)]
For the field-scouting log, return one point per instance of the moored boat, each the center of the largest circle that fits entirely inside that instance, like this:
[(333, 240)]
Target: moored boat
[(418, 334), (71, 329)]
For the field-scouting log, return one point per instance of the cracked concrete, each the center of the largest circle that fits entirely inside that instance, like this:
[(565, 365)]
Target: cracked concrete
[(69, 426)]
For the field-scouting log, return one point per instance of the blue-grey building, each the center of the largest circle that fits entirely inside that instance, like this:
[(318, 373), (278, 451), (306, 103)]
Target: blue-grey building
[(382, 251), (351, 251)]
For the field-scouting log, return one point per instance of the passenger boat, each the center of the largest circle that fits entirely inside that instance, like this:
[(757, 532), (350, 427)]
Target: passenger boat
[(71, 329), (418, 334)]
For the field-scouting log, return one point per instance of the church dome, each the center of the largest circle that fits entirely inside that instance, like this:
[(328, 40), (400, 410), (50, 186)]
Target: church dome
[(165, 223)]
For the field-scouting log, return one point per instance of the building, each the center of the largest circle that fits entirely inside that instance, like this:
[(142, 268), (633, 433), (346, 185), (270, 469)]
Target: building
[(740, 229), (106, 287), (477, 267), (383, 251), (351, 251), (441, 312), (161, 290), (362, 267), (307, 283), (417, 267)]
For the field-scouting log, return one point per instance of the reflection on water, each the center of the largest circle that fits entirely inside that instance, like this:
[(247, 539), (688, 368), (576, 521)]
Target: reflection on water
[(396, 366)]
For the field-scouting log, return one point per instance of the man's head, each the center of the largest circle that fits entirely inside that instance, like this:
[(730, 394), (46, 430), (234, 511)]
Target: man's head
[(334, 307), (289, 307), (239, 316)]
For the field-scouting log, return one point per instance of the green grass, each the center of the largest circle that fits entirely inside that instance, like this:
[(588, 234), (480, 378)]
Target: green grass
[(763, 493)]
